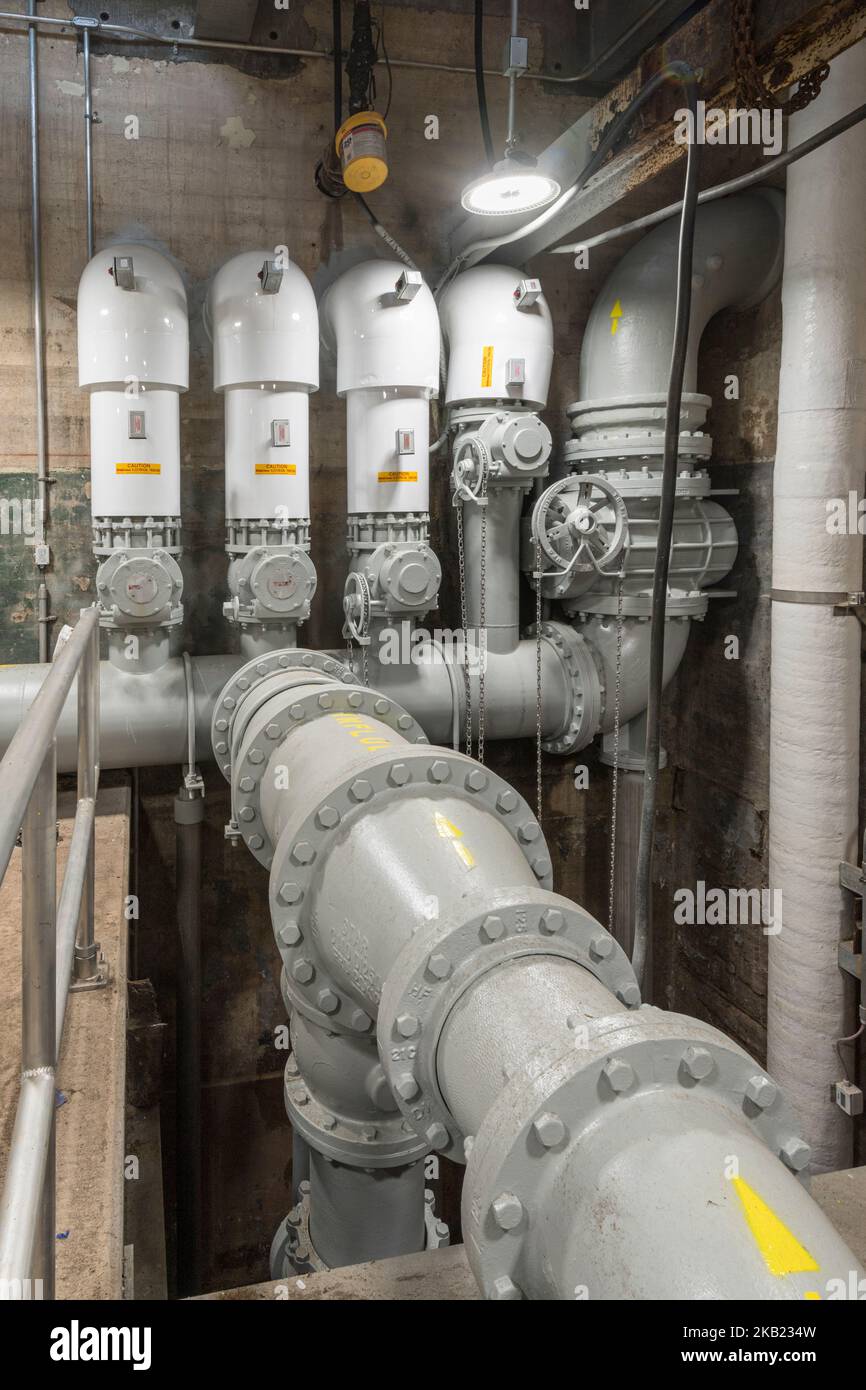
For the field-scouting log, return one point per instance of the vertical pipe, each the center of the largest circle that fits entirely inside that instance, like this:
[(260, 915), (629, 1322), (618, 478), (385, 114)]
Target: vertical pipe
[(511, 135), (188, 817), (815, 656), (43, 606), (88, 139), (360, 1214), (38, 969), (500, 521), (86, 967)]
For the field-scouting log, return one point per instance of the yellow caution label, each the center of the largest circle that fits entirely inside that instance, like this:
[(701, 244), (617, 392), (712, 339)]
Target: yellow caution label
[(782, 1252), (148, 468), (447, 830), (287, 470), (396, 476), (615, 316), (487, 366)]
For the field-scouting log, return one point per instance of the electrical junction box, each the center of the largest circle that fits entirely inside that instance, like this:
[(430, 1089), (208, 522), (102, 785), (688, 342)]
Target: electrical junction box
[(271, 276), (405, 441), (137, 425), (124, 273), (849, 1098), (528, 292), (408, 285), (515, 60), (515, 372), (281, 434)]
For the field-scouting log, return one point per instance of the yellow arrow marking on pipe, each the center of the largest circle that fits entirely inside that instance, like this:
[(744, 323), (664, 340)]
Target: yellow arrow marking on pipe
[(615, 316), (782, 1252), (447, 830)]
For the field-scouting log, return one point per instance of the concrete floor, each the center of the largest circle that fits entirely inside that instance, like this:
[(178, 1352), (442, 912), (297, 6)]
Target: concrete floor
[(92, 1066)]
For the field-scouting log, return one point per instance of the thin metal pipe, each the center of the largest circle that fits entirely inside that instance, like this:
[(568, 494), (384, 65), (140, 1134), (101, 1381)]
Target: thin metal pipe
[(74, 883), (189, 816), (21, 765), (22, 1192), (88, 139), (43, 615), (86, 952), (38, 969), (132, 35)]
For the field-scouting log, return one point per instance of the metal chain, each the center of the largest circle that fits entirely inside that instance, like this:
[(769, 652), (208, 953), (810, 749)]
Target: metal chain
[(617, 705), (750, 88), (364, 667), (482, 612), (538, 793), (461, 566)]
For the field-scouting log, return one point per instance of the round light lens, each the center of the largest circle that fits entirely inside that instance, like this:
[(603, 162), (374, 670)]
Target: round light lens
[(509, 190)]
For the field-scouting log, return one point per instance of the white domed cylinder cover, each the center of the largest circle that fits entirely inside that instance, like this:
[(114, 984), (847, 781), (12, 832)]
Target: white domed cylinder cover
[(499, 336), (264, 324), (380, 321), (133, 357)]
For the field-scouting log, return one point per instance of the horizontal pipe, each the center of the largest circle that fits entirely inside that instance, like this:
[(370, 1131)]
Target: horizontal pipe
[(34, 729), (20, 1206), (70, 901)]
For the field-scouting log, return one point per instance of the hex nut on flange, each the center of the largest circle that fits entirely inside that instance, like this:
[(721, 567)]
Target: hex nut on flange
[(406, 1086), (761, 1091), (507, 1211), (795, 1153), (619, 1074), (504, 1290), (697, 1062), (439, 965), (492, 928), (549, 1129), (408, 1025)]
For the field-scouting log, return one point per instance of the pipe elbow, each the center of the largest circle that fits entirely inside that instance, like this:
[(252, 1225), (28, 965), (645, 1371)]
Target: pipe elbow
[(263, 335), (738, 255), (381, 336)]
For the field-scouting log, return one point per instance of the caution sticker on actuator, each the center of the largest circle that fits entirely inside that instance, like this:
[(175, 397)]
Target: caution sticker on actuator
[(151, 468), (286, 469), (395, 476), (487, 366)]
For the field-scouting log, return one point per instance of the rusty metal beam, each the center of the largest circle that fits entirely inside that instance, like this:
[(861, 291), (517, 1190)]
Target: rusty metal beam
[(791, 41)]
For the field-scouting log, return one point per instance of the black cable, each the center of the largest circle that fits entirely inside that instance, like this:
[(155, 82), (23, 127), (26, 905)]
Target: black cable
[(479, 82), (380, 39), (643, 877), (337, 27)]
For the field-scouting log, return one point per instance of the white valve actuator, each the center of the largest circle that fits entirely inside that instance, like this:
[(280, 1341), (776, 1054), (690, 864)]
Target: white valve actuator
[(262, 316), (133, 358), (499, 335)]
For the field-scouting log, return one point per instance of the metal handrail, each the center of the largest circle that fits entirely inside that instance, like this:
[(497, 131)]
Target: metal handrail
[(57, 942)]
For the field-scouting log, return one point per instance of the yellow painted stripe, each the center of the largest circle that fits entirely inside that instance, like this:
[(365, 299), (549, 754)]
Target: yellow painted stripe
[(447, 830), (615, 316), (782, 1252)]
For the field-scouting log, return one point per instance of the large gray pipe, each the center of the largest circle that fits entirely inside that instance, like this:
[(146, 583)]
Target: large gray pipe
[(411, 903)]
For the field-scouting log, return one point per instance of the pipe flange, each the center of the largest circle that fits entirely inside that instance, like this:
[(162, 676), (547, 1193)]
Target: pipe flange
[(444, 958), (585, 675), (292, 1248), (250, 676), (538, 1121), (638, 484), (304, 843), (388, 1141), (266, 729), (692, 605)]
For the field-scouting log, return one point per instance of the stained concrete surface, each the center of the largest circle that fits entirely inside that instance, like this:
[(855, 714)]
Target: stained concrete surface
[(91, 1068)]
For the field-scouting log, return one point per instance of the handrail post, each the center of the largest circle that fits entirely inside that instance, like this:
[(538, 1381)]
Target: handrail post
[(87, 973), (38, 965)]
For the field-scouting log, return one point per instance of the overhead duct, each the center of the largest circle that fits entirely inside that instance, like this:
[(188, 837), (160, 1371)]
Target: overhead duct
[(444, 998), (816, 639)]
